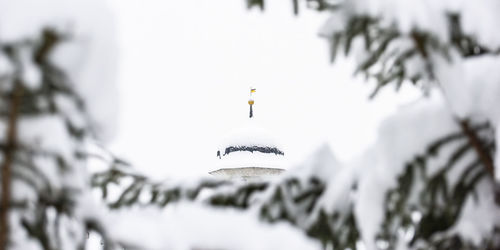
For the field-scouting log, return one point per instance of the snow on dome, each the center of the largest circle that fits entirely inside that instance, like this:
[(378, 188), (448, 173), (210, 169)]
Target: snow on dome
[(250, 138), (249, 151)]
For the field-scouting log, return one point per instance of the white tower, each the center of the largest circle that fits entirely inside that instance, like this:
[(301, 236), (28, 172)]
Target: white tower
[(249, 152)]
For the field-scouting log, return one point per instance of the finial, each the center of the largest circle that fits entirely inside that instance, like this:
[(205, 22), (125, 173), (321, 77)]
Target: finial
[(251, 101)]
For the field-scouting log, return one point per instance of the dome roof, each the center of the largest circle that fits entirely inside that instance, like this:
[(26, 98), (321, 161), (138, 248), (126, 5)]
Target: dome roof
[(249, 152), (250, 138), (250, 147)]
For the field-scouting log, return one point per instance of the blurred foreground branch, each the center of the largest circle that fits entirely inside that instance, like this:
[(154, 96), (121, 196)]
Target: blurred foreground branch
[(8, 154)]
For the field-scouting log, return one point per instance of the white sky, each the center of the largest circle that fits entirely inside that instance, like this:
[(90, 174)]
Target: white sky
[(185, 72)]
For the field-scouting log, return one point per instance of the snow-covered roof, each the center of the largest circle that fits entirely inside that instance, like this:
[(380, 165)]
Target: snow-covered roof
[(250, 146), (249, 135)]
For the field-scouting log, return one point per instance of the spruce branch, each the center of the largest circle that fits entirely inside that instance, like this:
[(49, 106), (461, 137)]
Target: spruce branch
[(483, 155), (9, 151)]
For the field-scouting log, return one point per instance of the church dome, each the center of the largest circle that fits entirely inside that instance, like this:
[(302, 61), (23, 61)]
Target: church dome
[(249, 152), (250, 138)]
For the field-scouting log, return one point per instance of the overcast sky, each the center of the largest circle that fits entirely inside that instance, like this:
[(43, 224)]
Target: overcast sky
[(185, 72)]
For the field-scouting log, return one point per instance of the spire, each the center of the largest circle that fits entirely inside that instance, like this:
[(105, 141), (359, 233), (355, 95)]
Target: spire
[(251, 101)]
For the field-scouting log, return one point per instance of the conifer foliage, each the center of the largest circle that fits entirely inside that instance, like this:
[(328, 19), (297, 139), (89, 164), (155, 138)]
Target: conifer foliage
[(43, 183), (427, 183)]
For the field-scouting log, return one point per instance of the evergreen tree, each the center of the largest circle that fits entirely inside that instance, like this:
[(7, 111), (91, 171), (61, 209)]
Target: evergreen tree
[(43, 177), (45, 123), (428, 183)]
